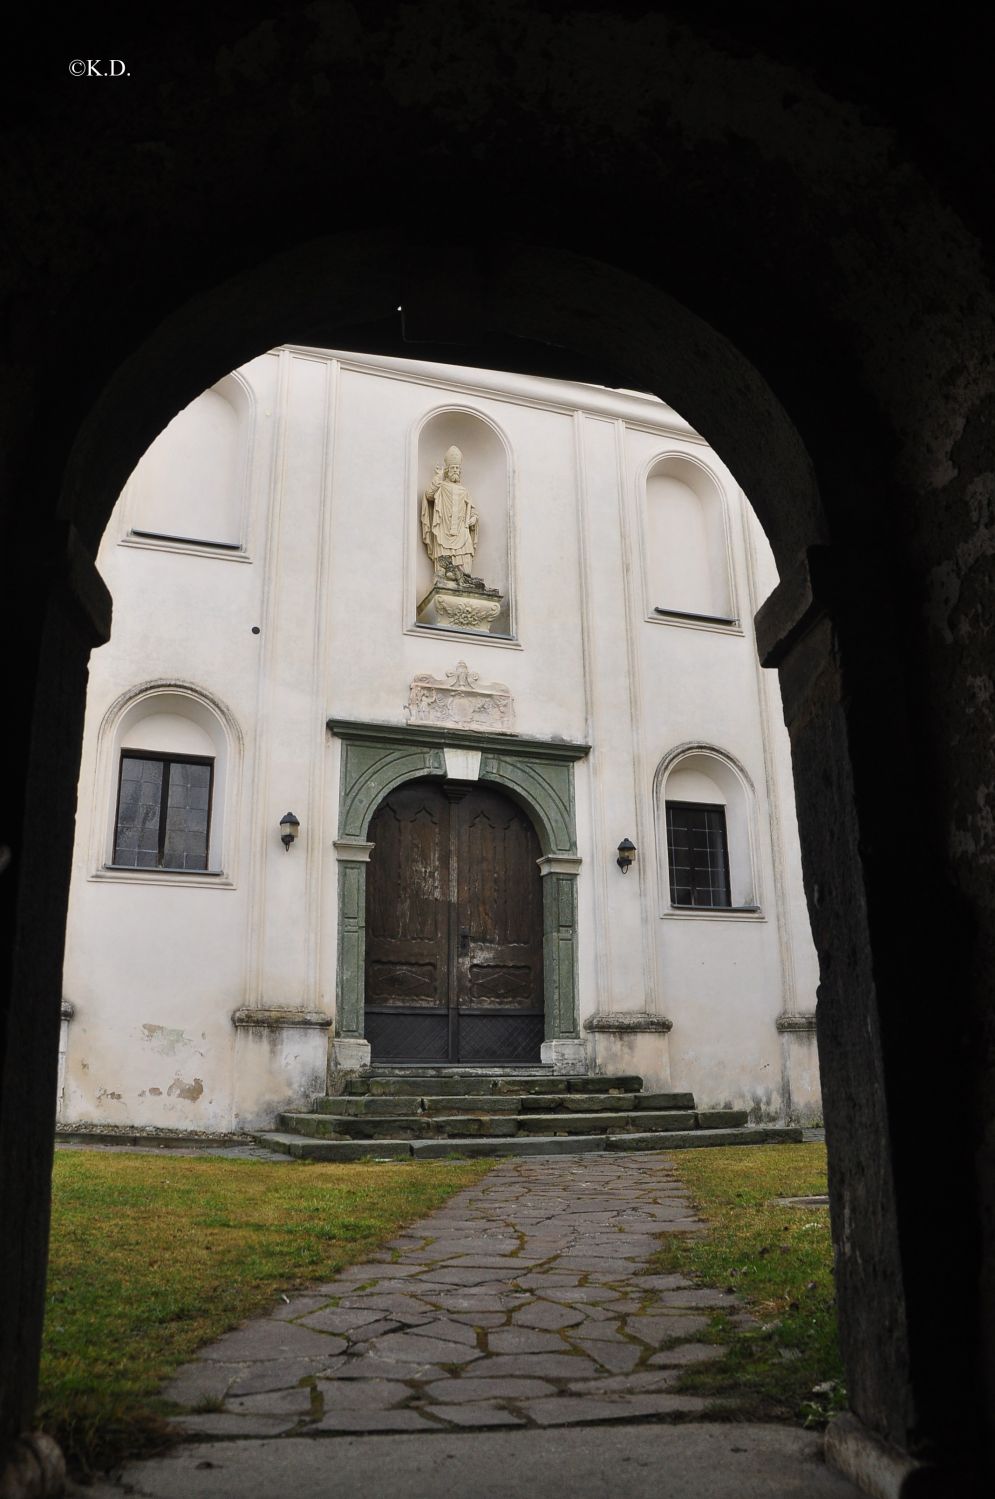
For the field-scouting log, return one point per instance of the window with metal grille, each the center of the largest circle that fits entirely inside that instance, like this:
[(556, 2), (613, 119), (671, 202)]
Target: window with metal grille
[(698, 854), (163, 811)]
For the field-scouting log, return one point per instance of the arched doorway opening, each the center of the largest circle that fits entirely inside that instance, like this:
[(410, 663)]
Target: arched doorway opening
[(454, 961), (813, 622)]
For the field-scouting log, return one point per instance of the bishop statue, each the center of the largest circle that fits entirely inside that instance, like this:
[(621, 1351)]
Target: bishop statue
[(449, 523)]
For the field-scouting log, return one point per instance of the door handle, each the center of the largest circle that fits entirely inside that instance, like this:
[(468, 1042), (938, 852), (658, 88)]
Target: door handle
[(464, 939)]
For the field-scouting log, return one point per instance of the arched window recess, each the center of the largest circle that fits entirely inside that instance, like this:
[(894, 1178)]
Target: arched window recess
[(706, 835), (166, 788), (687, 552)]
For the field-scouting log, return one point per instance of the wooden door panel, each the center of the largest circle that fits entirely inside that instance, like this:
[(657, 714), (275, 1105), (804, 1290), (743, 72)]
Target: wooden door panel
[(499, 906), (453, 928), (409, 862), (407, 926), (402, 982), (495, 984)]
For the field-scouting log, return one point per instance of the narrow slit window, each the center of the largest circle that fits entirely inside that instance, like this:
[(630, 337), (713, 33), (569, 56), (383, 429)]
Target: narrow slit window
[(698, 854), (163, 812)]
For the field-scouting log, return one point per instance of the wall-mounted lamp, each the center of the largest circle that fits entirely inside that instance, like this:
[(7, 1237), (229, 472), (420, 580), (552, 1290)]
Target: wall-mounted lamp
[(290, 826), (626, 855)]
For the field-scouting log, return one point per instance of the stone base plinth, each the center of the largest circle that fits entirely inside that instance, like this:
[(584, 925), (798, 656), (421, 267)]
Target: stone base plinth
[(632, 1041), (280, 1054), (568, 1057), (349, 1054), (800, 1068), (455, 608)]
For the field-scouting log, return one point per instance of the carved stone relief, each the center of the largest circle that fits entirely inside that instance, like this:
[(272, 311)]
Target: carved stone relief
[(462, 700)]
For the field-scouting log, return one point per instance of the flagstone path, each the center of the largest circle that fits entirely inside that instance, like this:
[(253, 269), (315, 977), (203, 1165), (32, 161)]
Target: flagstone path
[(524, 1301)]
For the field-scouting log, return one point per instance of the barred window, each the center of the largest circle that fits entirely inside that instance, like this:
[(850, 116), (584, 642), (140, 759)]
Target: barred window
[(163, 811), (698, 854)]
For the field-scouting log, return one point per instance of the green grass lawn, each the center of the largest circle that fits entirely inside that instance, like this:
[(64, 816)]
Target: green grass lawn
[(154, 1255), (779, 1261)]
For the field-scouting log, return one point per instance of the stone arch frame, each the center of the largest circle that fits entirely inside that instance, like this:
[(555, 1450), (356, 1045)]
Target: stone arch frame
[(670, 761), (538, 775), (888, 343), (569, 301)]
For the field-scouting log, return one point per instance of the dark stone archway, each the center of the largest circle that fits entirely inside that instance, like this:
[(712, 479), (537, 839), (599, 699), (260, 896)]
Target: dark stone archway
[(509, 176)]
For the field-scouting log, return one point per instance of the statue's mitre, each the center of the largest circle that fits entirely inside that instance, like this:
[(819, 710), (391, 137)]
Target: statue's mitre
[(452, 456)]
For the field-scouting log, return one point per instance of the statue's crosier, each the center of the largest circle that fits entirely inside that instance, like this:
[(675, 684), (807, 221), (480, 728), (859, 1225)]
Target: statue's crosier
[(449, 524)]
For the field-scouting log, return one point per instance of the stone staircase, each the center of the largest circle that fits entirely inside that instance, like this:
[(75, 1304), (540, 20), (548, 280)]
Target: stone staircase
[(399, 1112)]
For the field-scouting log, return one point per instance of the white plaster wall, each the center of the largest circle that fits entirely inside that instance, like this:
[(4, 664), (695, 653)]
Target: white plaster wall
[(330, 571)]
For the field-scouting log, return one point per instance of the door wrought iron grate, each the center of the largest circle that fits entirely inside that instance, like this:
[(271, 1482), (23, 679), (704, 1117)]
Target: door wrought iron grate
[(507, 1037)]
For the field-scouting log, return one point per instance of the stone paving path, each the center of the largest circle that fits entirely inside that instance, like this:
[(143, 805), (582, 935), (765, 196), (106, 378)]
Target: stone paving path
[(524, 1301)]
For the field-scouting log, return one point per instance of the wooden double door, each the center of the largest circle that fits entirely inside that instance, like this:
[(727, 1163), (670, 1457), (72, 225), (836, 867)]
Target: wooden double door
[(453, 928)]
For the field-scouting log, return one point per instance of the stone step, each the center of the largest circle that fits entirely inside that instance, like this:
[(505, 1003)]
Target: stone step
[(496, 1103), (413, 1084), (353, 1150), (503, 1125), (545, 1103), (461, 1069)]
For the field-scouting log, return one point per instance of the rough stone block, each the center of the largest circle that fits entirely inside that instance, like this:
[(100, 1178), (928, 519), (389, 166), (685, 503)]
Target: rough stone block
[(228, 1424), (686, 1353), (721, 1118), (466, 1103), (459, 1391), (664, 1100), (268, 1338), (564, 1122), (293, 1402), (538, 1103), (523, 1340), (361, 1394), (439, 1149), (475, 1413), (463, 1126), (657, 1330), (309, 1149), (373, 1420), (563, 1410), (623, 1084), (532, 1366), (414, 1348)]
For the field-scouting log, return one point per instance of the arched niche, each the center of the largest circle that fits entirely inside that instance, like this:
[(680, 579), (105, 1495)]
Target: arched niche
[(207, 439), (704, 776), (687, 550), (487, 476), (169, 719)]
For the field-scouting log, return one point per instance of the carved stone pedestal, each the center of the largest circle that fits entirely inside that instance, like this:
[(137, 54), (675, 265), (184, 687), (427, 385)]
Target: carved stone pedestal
[(460, 608)]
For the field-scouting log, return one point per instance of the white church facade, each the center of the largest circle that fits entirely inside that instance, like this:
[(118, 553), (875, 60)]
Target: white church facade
[(431, 730)]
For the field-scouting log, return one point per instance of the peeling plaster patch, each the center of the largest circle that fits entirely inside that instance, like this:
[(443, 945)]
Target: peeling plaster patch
[(164, 1039), (102, 1093), (191, 1091), (156, 1092)]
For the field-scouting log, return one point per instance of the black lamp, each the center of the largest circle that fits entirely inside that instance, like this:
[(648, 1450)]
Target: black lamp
[(626, 854), (290, 827)]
